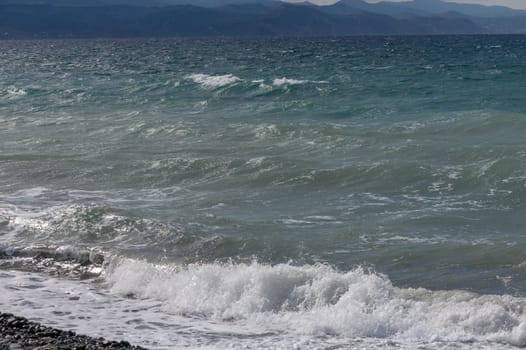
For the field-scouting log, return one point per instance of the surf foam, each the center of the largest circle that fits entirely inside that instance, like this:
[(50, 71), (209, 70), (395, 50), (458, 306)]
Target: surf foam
[(317, 300)]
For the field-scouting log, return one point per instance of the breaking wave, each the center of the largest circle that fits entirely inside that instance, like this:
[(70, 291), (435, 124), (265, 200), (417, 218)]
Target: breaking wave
[(317, 300), (54, 260), (213, 81), (286, 81), (12, 93), (207, 81)]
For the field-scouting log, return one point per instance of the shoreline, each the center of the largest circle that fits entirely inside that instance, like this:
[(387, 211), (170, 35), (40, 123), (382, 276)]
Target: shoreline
[(19, 333)]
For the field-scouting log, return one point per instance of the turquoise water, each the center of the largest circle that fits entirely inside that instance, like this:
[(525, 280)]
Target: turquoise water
[(363, 192)]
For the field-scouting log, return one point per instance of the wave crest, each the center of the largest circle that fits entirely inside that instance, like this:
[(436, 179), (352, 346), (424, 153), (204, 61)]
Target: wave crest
[(213, 81), (319, 300)]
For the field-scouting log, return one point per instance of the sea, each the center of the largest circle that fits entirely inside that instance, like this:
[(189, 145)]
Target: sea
[(288, 193)]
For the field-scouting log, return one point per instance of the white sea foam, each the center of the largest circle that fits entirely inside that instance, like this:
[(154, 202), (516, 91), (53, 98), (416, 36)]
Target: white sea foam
[(13, 92), (81, 308), (263, 131), (216, 81), (296, 222), (258, 306), (62, 223), (320, 301), (287, 81), (311, 220), (213, 81), (321, 217)]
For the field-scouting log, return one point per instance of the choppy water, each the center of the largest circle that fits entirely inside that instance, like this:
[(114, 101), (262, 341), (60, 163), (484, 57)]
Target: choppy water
[(359, 192)]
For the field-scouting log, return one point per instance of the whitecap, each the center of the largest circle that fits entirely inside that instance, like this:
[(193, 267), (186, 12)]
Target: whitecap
[(296, 222), (213, 81), (13, 92), (263, 131), (321, 218), (286, 81)]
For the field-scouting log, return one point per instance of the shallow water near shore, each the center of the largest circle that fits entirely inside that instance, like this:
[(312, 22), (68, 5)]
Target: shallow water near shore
[(292, 193)]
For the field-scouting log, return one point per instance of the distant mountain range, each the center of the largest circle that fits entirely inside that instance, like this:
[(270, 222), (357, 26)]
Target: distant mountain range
[(427, 8), (249, 18)]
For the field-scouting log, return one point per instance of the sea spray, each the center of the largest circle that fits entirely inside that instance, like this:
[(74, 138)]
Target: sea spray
[(318, 300)]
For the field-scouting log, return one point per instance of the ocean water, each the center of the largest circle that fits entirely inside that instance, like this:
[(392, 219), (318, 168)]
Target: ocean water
[(267, 194)]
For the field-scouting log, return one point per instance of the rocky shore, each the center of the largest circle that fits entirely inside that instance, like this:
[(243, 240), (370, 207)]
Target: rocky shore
[(18, 333)]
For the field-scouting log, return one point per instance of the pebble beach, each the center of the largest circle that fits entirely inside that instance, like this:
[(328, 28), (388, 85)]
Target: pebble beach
[(18, 333)]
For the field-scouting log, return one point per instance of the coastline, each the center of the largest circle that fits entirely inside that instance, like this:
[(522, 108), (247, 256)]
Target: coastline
[(19, 333)]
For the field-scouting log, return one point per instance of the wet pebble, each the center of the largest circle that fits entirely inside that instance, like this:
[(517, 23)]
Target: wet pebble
[(17, 333)]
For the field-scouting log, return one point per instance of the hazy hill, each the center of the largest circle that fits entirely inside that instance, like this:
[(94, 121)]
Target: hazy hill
[(99, 18), (439, 6), (421, 8)]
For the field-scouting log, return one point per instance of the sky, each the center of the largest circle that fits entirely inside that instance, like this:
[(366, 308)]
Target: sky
[(518, 4)]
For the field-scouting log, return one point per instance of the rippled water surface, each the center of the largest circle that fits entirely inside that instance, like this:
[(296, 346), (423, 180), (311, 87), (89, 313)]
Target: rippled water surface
[(357, 192)]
